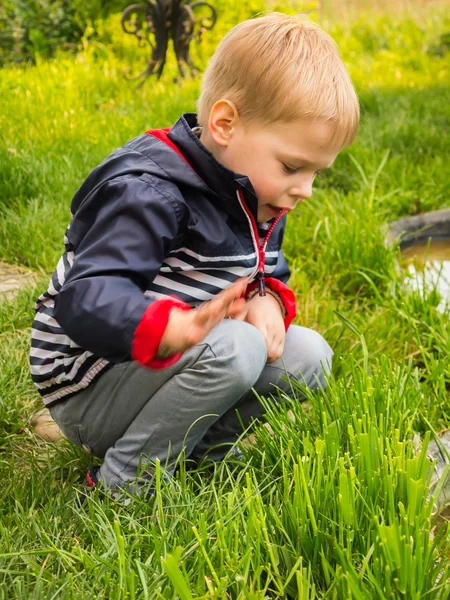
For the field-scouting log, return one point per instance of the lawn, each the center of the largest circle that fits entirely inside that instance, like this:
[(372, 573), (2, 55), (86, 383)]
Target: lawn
[(334, 503)]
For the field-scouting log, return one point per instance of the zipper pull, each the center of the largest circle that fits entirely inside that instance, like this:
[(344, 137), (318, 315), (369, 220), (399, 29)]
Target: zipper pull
[(261, 274), (261, 283)]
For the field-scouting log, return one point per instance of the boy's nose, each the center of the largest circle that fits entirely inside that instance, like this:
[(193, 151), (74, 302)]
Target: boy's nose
[(302, 190)]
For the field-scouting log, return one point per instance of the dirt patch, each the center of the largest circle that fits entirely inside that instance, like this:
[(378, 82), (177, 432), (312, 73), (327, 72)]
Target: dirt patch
[(12, 279)]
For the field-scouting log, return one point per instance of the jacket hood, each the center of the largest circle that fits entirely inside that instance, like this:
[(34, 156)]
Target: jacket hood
[(192, 166)]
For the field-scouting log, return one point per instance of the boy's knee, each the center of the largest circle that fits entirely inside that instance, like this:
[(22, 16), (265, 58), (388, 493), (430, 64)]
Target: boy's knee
[(242, 348), (313, 357)]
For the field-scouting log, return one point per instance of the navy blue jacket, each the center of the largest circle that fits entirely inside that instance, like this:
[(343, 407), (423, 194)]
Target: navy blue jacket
[(160, 217)]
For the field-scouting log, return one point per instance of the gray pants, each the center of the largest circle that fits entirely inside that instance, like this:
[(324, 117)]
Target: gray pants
[(133, 415)]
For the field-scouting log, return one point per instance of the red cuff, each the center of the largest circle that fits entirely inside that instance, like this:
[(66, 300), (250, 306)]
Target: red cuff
[(285, 293), (149, 332)]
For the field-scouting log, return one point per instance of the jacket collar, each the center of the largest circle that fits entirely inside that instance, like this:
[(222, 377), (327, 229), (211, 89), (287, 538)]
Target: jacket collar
[(220, 180)]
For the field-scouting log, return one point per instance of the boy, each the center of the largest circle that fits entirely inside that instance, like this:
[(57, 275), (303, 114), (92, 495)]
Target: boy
[(170, 302)]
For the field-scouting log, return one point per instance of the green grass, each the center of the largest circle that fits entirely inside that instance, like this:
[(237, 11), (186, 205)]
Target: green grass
[(334, 504)]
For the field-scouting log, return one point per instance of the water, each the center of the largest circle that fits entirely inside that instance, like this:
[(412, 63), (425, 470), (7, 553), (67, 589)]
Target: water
[(428, 263), (439, 451)]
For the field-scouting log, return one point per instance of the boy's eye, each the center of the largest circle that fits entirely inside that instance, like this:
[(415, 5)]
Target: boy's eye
[(290, 170)]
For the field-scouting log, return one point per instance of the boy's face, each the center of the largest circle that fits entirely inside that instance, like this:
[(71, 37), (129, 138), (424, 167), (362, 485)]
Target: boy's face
[(281, 159)]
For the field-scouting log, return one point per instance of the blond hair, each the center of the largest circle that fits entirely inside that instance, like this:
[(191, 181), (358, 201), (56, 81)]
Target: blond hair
[(281, 68)]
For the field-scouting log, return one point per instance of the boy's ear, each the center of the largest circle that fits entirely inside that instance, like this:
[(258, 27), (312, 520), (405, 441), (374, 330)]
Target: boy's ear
[(223, 119)]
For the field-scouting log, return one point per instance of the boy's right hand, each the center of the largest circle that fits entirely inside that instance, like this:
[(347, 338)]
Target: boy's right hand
[(186, 328)]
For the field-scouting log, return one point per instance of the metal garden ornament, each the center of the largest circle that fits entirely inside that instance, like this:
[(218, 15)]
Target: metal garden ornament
[(154, 22)]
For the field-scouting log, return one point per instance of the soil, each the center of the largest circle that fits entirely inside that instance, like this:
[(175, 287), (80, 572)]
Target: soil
[(12, 279)]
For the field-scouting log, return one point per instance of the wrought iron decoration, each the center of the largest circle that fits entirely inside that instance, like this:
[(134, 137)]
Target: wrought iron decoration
[(156, 21)]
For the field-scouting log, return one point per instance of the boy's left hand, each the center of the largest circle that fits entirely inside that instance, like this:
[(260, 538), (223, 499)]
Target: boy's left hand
[(264, 313)]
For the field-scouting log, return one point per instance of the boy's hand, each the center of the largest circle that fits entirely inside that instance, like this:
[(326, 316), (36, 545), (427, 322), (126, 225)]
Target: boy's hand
[(189, 327), (264, 313)]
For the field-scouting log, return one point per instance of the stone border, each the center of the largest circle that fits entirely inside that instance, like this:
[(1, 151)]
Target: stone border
[(434, 224)]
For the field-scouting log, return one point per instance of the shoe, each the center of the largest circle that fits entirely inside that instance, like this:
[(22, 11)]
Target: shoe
[(119, 496), (91, 478), (90, 481)]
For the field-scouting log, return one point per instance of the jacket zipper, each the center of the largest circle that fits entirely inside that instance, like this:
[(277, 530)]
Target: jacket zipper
[(260, 249)]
